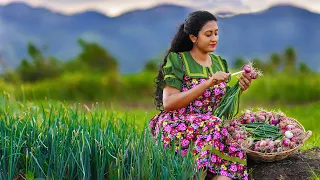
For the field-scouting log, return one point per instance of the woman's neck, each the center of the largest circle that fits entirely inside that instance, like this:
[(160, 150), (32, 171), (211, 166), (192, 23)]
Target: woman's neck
[(199, 55)]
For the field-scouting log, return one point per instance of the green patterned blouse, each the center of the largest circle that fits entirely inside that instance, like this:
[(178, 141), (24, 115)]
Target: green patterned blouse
[(173, 73)]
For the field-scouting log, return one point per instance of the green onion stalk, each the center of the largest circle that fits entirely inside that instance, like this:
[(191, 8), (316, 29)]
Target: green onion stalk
[(229, 104)]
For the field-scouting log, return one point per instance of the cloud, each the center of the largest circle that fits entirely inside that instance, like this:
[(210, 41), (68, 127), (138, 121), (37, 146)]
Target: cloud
[(117, 7)]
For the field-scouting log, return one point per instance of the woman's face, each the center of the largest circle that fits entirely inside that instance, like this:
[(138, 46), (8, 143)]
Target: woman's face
[(208, 37)]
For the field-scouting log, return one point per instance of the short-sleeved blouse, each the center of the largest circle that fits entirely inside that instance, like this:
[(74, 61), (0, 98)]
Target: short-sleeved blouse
[(173, 72)]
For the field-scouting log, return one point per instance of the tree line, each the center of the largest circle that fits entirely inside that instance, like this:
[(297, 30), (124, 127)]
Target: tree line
[(93, 58)]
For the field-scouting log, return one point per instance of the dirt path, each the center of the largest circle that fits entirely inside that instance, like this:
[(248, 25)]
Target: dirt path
[(301, 166)]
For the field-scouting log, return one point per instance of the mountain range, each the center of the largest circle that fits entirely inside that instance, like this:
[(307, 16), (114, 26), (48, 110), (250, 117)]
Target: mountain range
[(137, 36)]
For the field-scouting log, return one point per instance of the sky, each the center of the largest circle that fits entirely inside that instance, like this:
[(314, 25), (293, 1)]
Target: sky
[(116, 7)]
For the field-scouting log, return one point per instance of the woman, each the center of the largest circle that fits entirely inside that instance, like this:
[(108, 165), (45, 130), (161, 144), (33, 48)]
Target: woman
[(190, 84)]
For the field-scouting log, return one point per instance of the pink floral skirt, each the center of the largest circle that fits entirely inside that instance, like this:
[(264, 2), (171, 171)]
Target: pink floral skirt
[(203, 136)]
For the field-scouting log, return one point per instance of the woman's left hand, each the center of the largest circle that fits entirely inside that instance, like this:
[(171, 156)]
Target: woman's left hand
[(245, 81)]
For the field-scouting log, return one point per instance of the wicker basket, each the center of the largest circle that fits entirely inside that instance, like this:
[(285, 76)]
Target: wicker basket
[(277, 156)]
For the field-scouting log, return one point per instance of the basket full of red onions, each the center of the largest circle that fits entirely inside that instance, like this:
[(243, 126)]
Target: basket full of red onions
[(266, 135)]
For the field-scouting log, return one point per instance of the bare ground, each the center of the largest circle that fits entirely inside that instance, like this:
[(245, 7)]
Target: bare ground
[(301, 166)]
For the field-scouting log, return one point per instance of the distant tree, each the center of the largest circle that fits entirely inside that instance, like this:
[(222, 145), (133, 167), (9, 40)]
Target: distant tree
[(275, 61), (96, 58), (290, 59), (39, 67), (36, 55), (303, 67), (258, 63), (152, 65), (26, 71)]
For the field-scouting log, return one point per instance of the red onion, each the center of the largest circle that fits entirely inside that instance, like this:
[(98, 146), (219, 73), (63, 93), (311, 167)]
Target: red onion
[(254, 75), (262, 118), (263, 143), (283, 124), (290, 127), (294, 139), (247, 69), (282, 118), (256, 147), (246, 116), (231, 128), (286, 142), (271, 144), (296, 131), (273, 121)]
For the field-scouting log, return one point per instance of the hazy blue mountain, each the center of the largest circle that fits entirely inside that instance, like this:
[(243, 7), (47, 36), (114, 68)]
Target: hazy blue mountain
[(136, 36)]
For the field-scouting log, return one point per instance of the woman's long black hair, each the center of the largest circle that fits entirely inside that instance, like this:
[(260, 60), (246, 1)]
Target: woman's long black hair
[(180, 43)]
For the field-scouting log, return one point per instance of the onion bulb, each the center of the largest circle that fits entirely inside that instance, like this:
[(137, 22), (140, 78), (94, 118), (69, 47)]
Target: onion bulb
[(288, 134), (247, 69)]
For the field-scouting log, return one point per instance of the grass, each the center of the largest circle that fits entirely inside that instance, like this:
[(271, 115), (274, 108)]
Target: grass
[(58, 141), (280, 88)]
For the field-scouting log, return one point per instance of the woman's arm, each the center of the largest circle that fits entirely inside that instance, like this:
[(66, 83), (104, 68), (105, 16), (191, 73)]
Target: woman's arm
[(173, 99)]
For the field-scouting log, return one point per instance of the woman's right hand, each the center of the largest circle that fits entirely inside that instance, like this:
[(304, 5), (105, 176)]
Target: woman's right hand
[(217, 78)]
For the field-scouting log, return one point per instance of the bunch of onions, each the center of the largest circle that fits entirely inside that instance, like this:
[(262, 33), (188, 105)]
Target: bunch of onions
[(264, 140), (229, 105)]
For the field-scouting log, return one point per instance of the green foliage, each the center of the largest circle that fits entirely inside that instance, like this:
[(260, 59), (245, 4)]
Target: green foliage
[(93, 76), (57, 141), (290, 59), (303, 67), (286, 62), (96, 58), (275, 62), (284, 88), (81, 86), (38, 68), (93, 58), (152, 65)]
